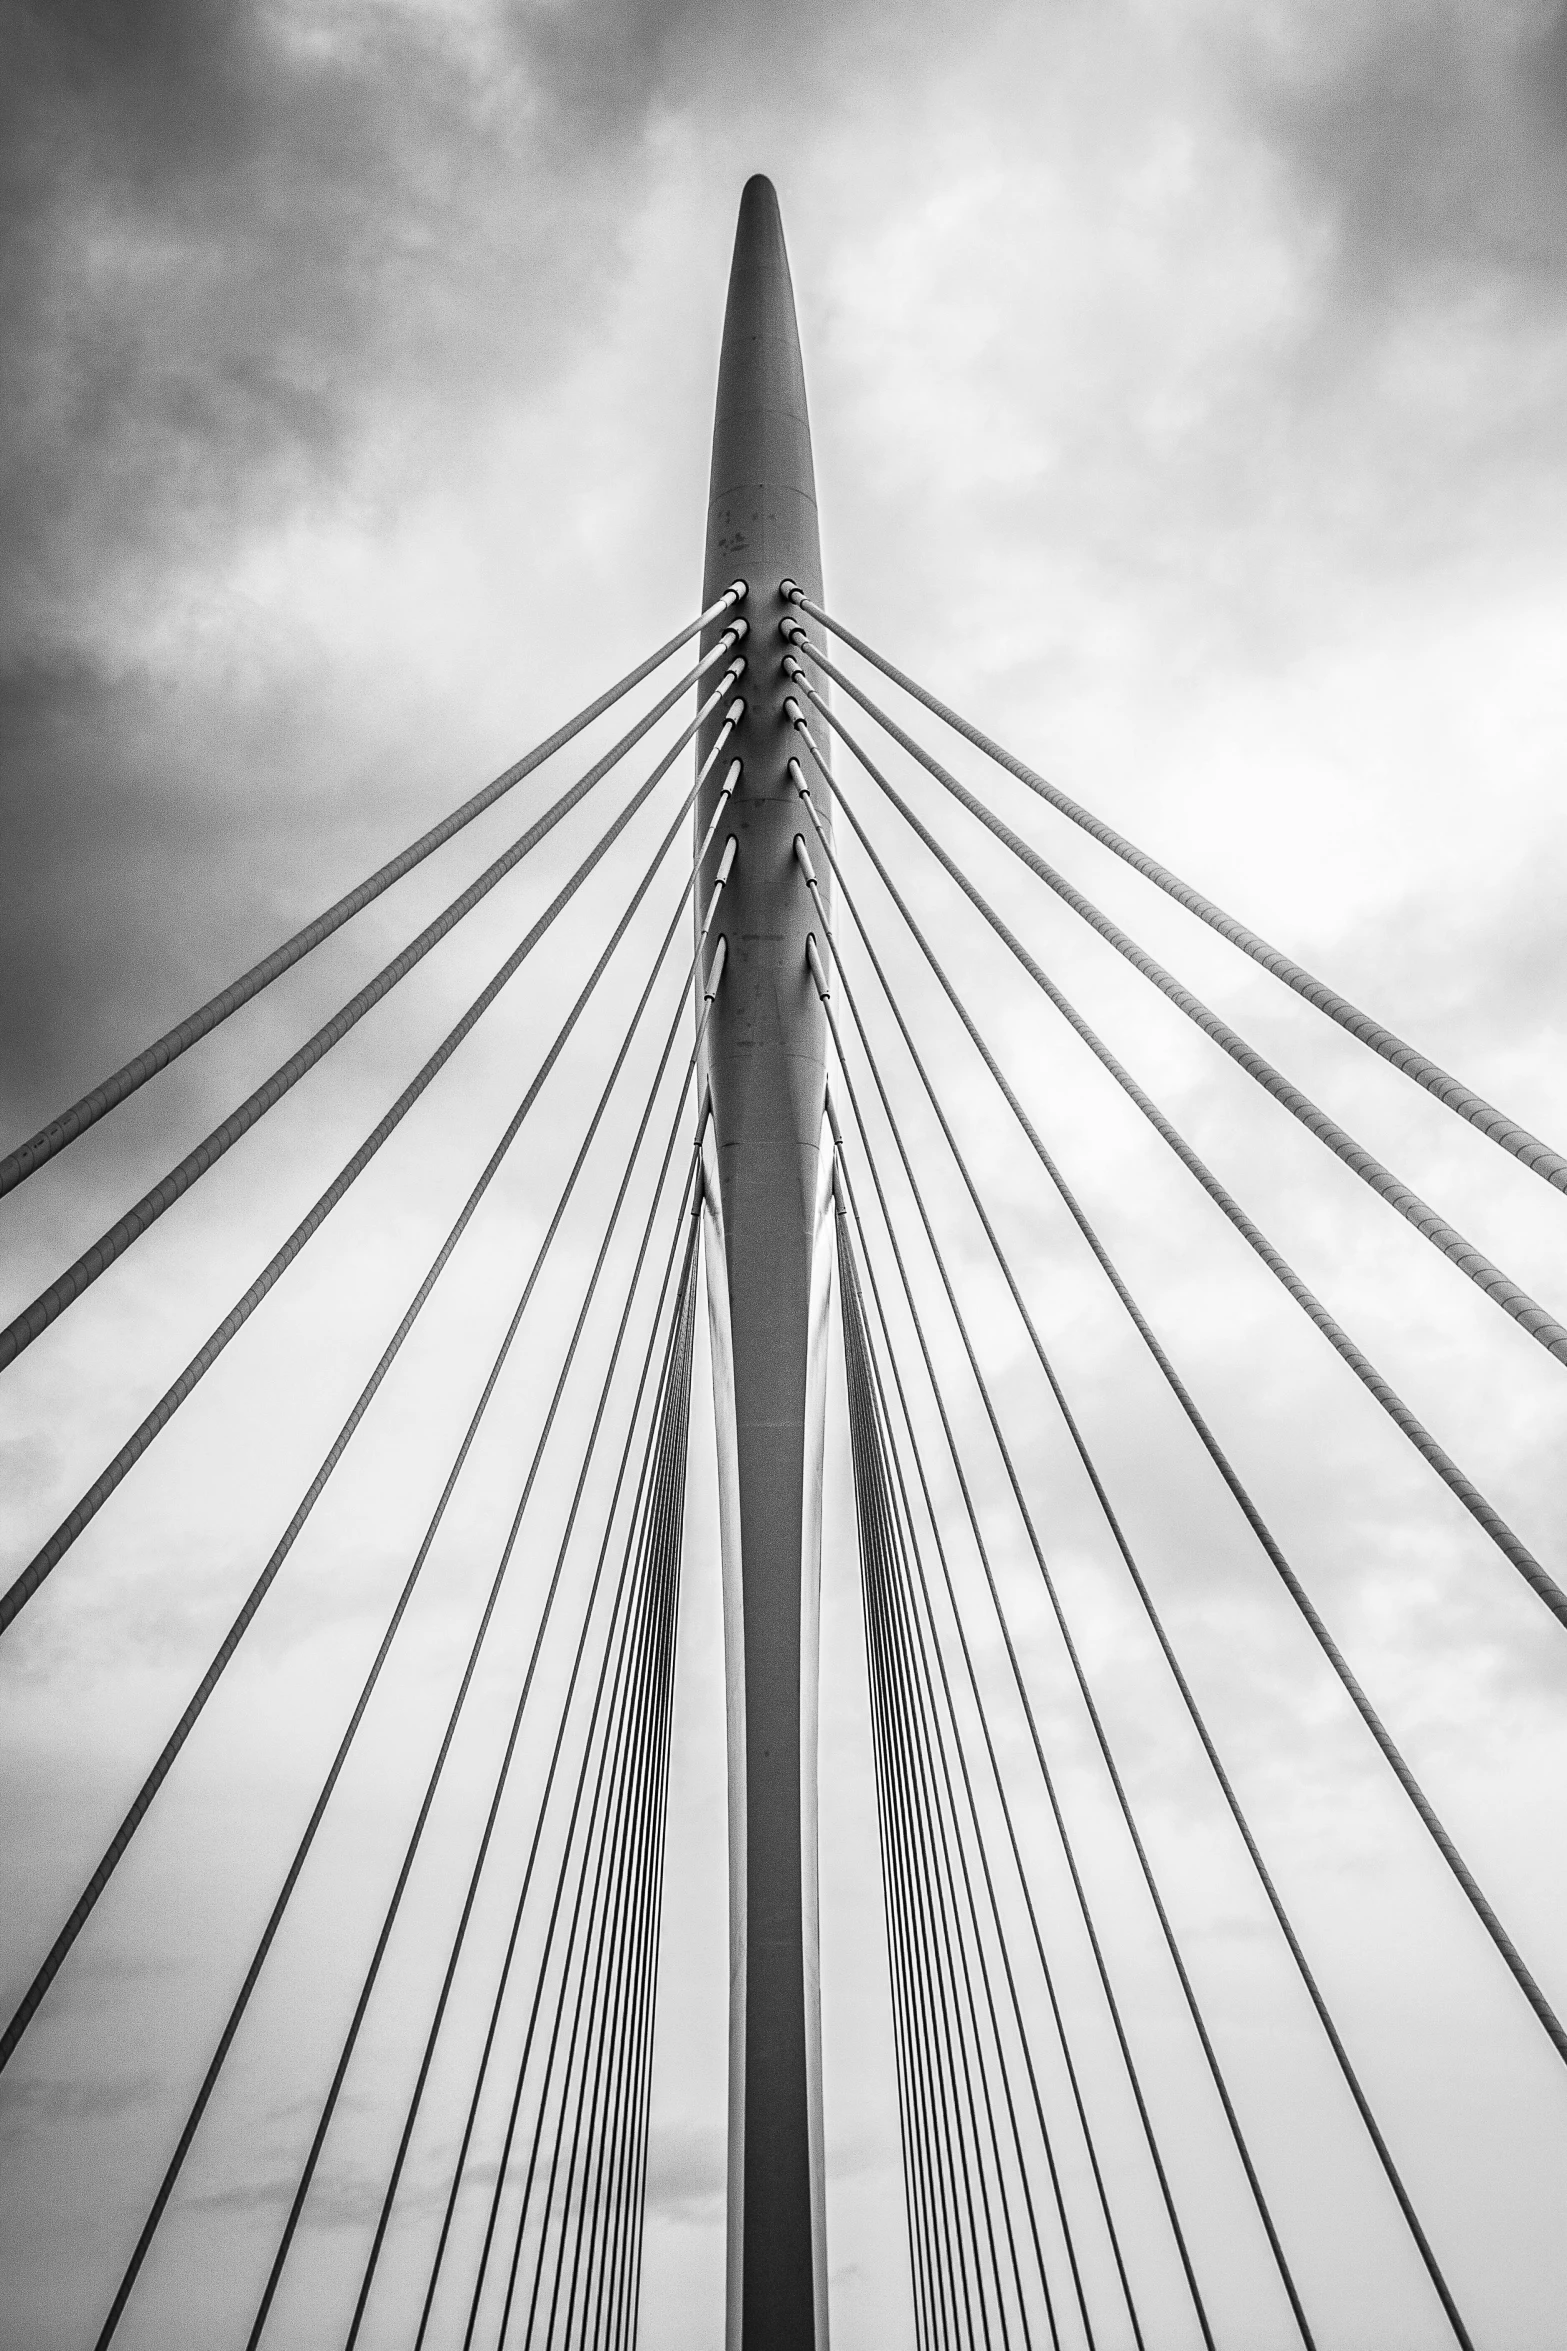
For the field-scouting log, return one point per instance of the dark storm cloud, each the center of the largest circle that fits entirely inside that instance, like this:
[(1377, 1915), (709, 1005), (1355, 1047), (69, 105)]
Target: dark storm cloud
[(256, 270), (235, 236)]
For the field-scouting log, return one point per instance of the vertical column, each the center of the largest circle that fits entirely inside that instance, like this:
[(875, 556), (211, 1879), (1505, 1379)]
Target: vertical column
[(767, 1291)]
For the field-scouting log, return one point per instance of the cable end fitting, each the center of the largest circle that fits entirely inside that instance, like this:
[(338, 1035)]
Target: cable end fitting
[(792, 711), (803, 859), (715, 970), (791, 632), (739, 590), (814, 960), (791, 592), (739, 628)]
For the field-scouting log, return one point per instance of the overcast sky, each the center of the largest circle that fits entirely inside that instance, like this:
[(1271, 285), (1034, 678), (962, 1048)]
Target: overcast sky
[(1187, 387)]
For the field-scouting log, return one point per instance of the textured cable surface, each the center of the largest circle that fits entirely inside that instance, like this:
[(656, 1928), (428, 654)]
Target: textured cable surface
[(114, 1853), (1499, 1287), (848, 1213), (53, 1551), (1505, 1132), (1457, 1482), (242, 2000), (61, 1293), (1501, 1940), (1020, 1684), (1226, 1788), (31, 1155), (920, 1736), (1069, 1644)]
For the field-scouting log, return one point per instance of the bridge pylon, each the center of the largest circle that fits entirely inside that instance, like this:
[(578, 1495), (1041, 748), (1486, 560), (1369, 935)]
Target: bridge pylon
[(769, 1258)]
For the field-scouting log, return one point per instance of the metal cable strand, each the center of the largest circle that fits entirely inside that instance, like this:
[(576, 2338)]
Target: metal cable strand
[(913, 1978), (582, 1478), (922, 2176), (19, 1164), (1101, 1736), (916, 1587), (20, 1333), (563, 1872), (912, 1714), (1512, 1548), (516, 1725), (631, 1697), (634, 2032), (615, 2121), (930, 2112), (624, 2160), (851, 1209), (620, 2235), (636, 2057), (242, 1999), (918, 2190), (329, 2107), (910, 1665), (1550, 1165), (620, 1939), (932, 1897), (1501, 1940), (934, 2004), (1499, 1287), (605, 1925), (620, 1592), (1047, 1777), (81, 1515), (115, 1851), (628, 1869), (1379, 2143)]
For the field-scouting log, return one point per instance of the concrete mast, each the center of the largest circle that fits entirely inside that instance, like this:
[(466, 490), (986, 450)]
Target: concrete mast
[(768, 1270)]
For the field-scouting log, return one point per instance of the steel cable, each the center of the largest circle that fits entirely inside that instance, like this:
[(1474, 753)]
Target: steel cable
[(115, 1851), (930, 1645), (930, 2020), (140, 1804), (1500, 1939), (634, 1859), (18, 1165), (1499, 1287), (620, 1833), (1505, 1132), (154, 1422), (437, 1769), (280, 1906), (1484, 1514), (850, 1208), (921, 2177), (1047, 1776), (623, 1706), (1101, 1736), (916, 1739), (560, 1886), (629, 2109), (19, 1334), (618, 2263), (576, 1501), (1341, 2054), (460, 2162)]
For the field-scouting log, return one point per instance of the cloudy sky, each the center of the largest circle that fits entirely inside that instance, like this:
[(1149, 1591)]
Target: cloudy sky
[(1187, 387)]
